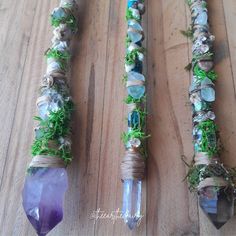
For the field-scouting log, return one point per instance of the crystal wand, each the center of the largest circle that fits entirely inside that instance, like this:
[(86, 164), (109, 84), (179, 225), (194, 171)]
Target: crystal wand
[(46, 181), (207, 176), (133, 164)]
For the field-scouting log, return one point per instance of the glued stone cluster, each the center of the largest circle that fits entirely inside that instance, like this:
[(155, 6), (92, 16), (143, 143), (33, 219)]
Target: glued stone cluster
[(202, 96), (54, 105), (134, 78)]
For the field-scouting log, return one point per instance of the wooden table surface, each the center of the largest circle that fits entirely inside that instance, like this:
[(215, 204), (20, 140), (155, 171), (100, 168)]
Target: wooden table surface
[(97, 69)]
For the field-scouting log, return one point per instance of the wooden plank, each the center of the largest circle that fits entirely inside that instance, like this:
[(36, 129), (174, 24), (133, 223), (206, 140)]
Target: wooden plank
[(225, 102), (224, 30), (15, 34), (87, 83), (87, 87), (171, 209), (13, 220), (97, 68), (112, 149)]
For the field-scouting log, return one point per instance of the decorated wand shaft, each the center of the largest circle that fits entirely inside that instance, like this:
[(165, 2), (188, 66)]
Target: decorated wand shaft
[(133, 164), (46, 181), (208, 176)]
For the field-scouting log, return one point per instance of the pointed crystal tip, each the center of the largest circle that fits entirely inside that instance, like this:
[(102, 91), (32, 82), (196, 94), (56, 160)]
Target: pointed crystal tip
[(132, 191), (217, 203), (43, 196), (132, 222)]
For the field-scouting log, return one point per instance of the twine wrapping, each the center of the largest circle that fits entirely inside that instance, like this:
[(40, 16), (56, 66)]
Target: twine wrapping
[(201, 158), (200, 87), (130, 29), (131, 107), (132, 166), (43, 99), (62, 33), (134, 83), (212, 181), (49, 79), (47, 161)]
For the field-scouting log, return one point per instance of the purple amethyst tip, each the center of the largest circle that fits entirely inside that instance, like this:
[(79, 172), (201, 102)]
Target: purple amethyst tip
[(43, 196)]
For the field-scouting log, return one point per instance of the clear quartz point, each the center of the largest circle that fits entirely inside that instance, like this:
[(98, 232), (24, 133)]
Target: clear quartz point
[(132, 194), (217, 203), (43, 196)]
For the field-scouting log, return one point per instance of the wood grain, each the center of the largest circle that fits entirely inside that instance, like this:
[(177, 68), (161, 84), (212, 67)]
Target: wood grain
[(97, 69)]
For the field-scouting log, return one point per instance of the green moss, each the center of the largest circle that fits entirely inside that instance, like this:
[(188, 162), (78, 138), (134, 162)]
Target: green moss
[(127, 41), (59, 55), (142, 115), (201, 74), (187, 33), (135, 133), (125, 79), (198, 57), (132, 57), (129, 15), (69, 20), (188, 67), (208, 128), (129, 99), (198, 173), (189, 2), (57, 125), (204, 4)]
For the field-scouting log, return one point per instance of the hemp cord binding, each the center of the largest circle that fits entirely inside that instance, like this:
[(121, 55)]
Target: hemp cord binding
[(47, 161), (133, 165)]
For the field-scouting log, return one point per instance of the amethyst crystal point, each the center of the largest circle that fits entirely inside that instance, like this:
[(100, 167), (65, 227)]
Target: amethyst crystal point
[(43, 196), (132, 190), (217, 203)]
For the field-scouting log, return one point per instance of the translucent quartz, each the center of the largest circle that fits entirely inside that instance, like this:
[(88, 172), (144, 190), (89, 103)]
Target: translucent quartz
[(201, 18), (61, 46), (207, 92), (43, 196), (135, 36), (136, 91), (200, 106), (132, 191), (53, 103), (58, 13), (134, 24), (217, 204), (52, 66)]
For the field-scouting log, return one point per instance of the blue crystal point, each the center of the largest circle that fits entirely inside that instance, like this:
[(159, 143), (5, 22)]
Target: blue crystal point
[(132, 193)]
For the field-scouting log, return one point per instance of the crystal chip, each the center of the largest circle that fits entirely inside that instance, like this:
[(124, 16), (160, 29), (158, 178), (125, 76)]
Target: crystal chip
[(201, 18), (207, 92), (136, 91), (134, 35), (58, 13), (134, 24), (134, 120)]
